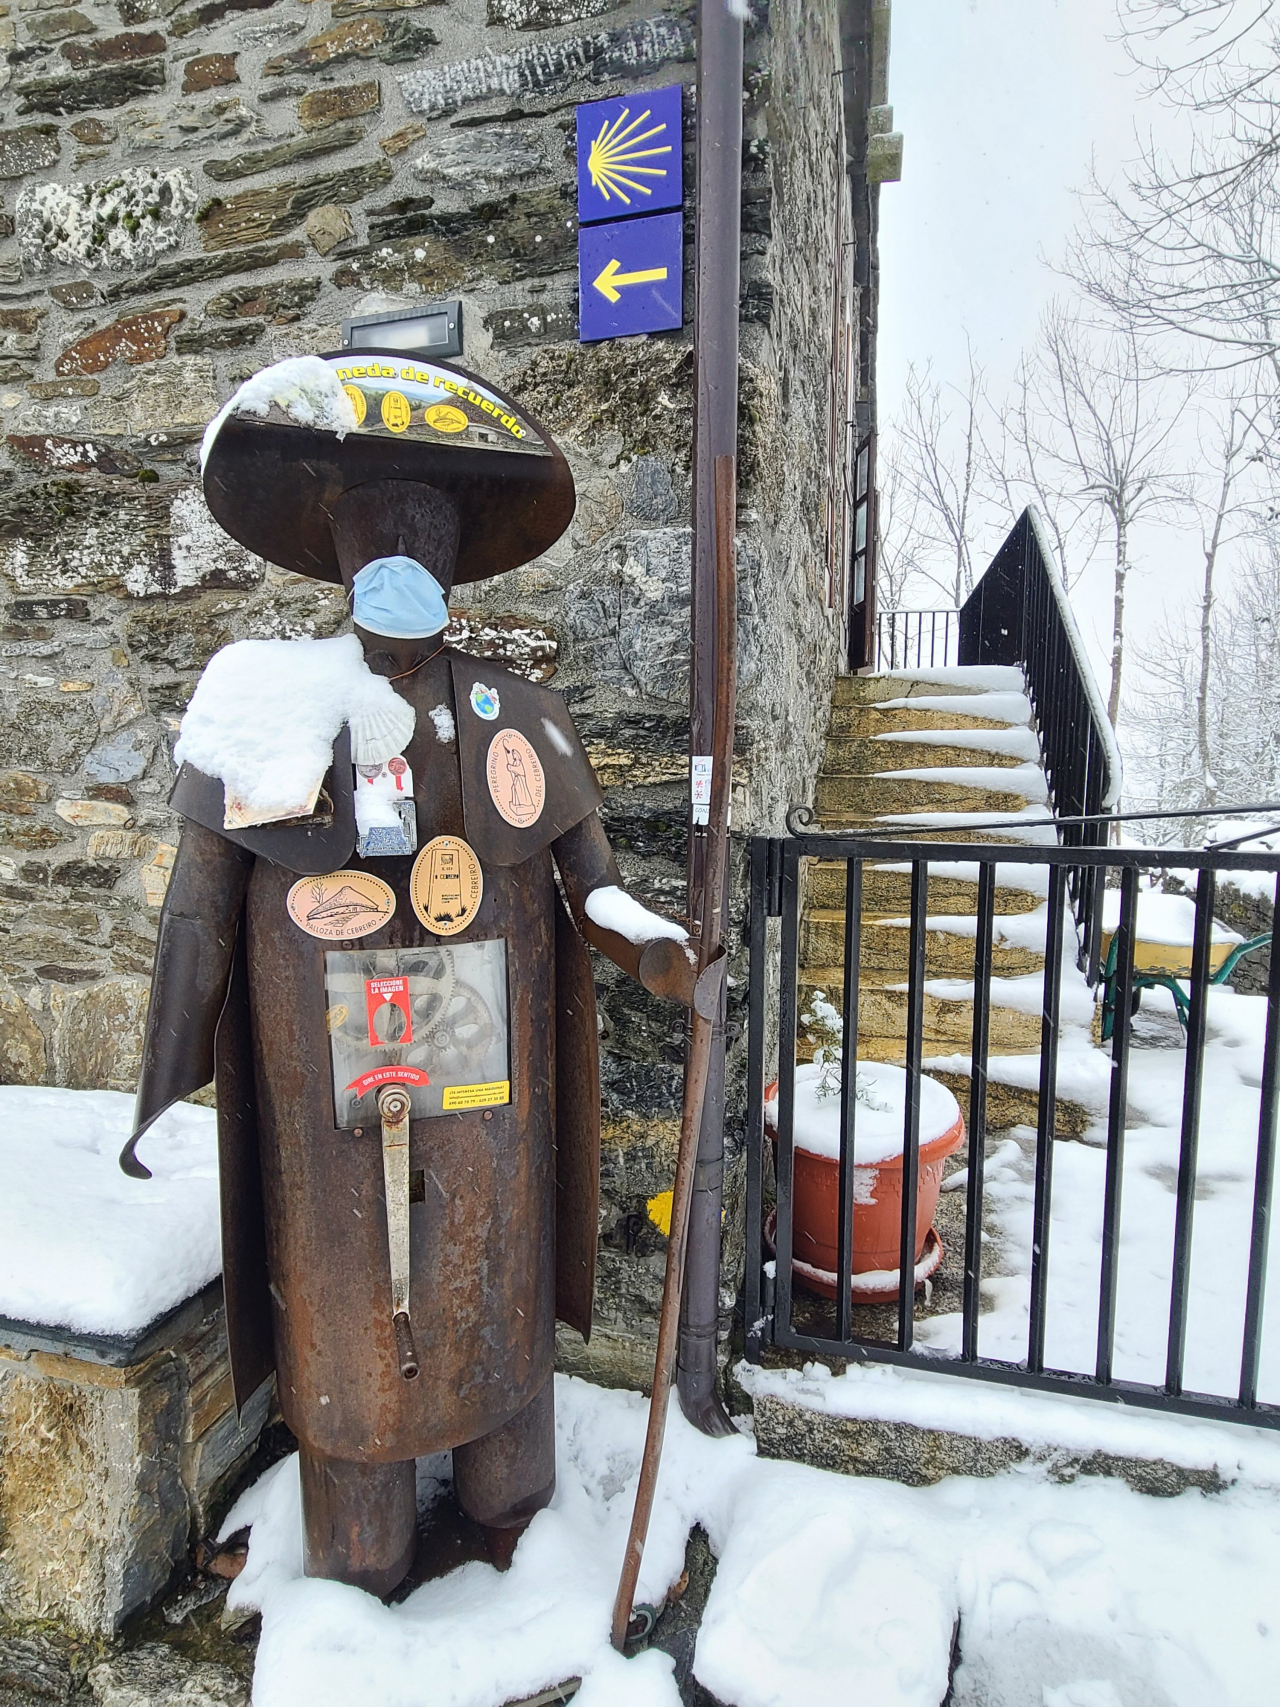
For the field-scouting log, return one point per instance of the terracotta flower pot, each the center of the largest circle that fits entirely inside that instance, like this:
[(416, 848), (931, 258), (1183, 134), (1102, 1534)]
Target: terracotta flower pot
[(877, 1204)]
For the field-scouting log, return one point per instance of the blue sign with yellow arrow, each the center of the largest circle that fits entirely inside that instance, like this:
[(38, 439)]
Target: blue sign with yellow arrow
[(629, 155), (630, 277)]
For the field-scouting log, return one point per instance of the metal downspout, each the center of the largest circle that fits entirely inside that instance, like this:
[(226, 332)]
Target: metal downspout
[(717, 242)]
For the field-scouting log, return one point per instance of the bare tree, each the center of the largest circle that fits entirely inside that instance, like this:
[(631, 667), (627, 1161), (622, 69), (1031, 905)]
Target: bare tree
[(939, 444), (901, 538), (1226, 496), (1103, 417), (1189, 245)]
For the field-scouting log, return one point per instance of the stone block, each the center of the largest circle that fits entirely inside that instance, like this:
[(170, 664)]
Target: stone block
[(632, 51), (259, 214), (199, 269), (523, 235), (114, 50), (117, 223), (85, 813), (30, 148), (180, 392), (390, 40), (209, 71), (136, 339), (399, 140), (544, 14), (200, 17), (484, 160), (122, 757), (22, 1045), (323, 107), (112, 1455), (45, 391), (278, 303), (188, 127), (537, 322), (209, 338), (156, 1675), (52, 26), (21, 787), (96, 1034), (328, 226), (308, 146), (36, 739), (109, 86)]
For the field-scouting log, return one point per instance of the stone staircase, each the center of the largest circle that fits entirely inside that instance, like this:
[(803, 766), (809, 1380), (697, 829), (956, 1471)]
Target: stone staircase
[(981, 762)]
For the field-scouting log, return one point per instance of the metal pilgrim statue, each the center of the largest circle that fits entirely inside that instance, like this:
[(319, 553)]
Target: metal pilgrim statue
[(374, 960)]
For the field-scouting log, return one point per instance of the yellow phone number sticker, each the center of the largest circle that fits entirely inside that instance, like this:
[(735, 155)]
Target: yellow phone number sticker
[(476, 1096)]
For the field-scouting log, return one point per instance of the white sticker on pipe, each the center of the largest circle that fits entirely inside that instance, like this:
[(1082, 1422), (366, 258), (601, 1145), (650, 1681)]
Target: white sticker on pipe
[(700, 787)]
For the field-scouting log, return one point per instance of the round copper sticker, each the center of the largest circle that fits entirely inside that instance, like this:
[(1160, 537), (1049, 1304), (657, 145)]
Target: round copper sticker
[(446, 885), (516, 783), (343, 904)]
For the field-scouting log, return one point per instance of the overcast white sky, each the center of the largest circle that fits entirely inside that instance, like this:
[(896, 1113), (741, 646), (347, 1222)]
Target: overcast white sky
[(1004, 104)]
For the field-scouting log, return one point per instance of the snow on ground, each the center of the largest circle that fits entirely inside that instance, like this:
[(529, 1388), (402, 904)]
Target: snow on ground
[(83, 1246), (1221, 1223), (828, 1589), (1165, 919)]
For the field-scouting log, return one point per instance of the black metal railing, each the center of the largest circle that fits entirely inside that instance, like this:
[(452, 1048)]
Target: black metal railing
[(776, 1314), (1019, 614), (917, 639)]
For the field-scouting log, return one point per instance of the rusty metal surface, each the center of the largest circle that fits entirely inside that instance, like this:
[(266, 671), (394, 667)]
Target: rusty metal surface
[(510, 1475), (572, 789), (481, 1242), (272, 486), (359, 1521), (577, 1127), (189, 982), (320, 844), (244, 1245)]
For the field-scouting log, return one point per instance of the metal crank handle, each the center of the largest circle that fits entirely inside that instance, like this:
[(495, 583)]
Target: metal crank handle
[(394, 1106)]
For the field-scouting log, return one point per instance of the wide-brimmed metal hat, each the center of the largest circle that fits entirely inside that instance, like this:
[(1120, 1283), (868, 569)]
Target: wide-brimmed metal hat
[(272, 475)]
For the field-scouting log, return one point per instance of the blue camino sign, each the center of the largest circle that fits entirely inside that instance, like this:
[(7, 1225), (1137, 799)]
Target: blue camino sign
[(631, 277), (629, 155)]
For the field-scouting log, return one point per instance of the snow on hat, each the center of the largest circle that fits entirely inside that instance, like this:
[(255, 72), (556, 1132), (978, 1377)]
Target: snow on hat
[(298, 435)]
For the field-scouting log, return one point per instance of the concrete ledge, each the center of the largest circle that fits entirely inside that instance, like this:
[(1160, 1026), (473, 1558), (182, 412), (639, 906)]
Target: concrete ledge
[(917, 1457)]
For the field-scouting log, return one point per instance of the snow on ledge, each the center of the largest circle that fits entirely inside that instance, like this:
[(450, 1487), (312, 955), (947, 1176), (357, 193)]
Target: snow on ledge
[(1042, 1421), (84, 1247)]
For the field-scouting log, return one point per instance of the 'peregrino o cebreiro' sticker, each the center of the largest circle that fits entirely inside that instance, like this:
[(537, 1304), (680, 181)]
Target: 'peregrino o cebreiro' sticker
[(485, 702), (446, 885), (343, 904), (516, 783)]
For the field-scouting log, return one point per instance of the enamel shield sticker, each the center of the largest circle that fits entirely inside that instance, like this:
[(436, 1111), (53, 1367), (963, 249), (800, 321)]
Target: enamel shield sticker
[(446, 885), (343, 904), (517, 785)]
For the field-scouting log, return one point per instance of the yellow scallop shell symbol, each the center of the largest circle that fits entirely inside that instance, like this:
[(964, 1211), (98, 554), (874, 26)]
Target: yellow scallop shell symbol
[(357, 403), (395, 411), (445, 418)]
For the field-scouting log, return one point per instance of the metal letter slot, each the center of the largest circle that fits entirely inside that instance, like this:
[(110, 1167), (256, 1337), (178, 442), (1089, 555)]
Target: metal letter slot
[(393, 1105)]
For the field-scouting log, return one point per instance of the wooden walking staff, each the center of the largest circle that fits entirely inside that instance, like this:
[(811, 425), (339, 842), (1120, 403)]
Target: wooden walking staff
[(710, 931)]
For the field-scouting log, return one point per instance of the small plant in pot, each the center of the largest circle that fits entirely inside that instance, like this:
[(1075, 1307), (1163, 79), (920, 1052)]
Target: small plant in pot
[(878, 1112)]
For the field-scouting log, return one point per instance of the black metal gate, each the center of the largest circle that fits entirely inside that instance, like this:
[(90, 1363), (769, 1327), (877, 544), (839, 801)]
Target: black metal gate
[(778, 869)]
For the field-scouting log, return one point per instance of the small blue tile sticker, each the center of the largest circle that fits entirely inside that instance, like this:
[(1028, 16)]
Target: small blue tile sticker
[(629, 155), (631, 277)]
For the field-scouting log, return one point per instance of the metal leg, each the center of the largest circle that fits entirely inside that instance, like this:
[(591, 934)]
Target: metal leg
[(393, 1105), (505, 1478), (359, 1521)]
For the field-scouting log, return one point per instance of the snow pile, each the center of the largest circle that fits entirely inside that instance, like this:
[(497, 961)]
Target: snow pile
[(306, 388), (1169, 920), (265, 714), (614, 910), (1220, 1230), (81, 1245), (879, 1111), (828, 1589)]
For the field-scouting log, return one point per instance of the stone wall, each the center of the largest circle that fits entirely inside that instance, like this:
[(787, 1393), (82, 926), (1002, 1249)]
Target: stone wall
[(192, 191)]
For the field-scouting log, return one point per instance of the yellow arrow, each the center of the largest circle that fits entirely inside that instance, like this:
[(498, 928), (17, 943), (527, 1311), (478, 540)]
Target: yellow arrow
[(608, 281)]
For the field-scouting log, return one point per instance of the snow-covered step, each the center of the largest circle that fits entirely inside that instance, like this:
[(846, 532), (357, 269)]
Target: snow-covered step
[(856, 799), (886, 946), (887, 889), (948, 1020)]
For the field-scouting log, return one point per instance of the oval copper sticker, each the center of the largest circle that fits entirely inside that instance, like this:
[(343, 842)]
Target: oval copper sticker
[(446, 885), (343, 904), (516, 783)]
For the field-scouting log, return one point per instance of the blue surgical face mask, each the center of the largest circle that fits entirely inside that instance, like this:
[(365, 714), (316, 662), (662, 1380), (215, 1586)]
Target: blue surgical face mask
[(397, 597)]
